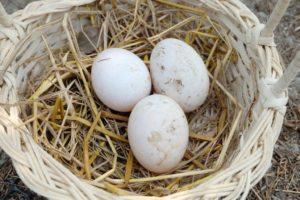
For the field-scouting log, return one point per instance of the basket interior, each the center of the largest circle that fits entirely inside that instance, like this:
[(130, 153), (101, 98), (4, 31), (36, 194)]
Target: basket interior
[(61, 47)]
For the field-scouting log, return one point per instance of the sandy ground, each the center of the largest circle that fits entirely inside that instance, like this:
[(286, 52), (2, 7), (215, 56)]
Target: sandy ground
[(283, 179)]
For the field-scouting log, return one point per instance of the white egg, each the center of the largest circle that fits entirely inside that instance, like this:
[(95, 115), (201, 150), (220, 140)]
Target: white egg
[(120, 79), (158, 133), (180, 73)]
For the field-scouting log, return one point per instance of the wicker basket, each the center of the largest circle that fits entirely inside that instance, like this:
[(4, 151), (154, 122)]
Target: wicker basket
[(258, 68)]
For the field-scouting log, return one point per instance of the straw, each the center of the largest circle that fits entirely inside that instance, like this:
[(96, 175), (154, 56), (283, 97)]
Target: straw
[(90, 139)]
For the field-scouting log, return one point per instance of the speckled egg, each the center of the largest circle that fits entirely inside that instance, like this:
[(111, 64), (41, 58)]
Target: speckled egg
[(179, 72), (158, 133)]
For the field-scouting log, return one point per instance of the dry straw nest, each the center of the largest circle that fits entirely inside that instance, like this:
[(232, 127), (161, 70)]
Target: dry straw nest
[(65, 144)]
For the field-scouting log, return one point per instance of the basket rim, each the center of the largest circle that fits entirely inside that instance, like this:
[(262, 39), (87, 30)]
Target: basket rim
[(260, 158)]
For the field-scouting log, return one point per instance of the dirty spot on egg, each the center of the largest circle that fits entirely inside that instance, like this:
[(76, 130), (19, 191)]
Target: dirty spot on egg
[(154, 137), (162, 91), (168, 81), (163, 159), (162, 68), (171, 129), (178, 85), (178, 82)]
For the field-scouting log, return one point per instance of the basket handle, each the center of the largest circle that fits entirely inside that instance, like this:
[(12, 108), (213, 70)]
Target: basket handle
[(288, 76), (275, 17), (5, 18), (291, 72)]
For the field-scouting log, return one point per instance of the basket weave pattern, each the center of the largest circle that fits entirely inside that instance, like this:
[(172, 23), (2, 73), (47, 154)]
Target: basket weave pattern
[(257, 69)]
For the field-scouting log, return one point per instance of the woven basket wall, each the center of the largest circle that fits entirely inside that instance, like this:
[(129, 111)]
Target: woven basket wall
[(257, 68)]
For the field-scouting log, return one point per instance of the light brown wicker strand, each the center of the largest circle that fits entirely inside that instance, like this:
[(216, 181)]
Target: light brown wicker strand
[(5, 20), (275, 17), (56, 6)]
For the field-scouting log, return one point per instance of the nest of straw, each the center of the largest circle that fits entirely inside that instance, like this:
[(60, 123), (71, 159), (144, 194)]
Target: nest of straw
[(68, 120)]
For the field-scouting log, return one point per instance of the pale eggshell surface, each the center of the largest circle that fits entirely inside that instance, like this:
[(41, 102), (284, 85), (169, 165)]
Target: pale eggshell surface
[(158, 133), (179, 72), (120, 79)]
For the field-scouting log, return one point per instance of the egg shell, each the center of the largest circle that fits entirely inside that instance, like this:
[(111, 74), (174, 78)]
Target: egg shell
[(179, 72), (158, 133), (120, 79)]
